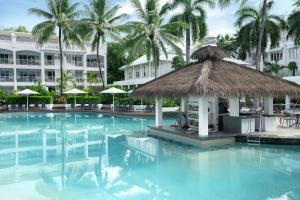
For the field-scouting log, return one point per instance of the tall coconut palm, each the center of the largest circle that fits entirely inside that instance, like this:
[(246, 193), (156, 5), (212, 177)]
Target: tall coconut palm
[(249, 23), (293, 23), (101, 23), (61, 16), (227, 42), (150, 33), (194, 15)]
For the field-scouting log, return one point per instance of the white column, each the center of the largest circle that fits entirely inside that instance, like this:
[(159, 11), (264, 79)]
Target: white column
[(287, 102), (184, 104), (15, 78), (43, 67), (158, 111), (85, 83), (203, 116), (234, 106), (268, 105)]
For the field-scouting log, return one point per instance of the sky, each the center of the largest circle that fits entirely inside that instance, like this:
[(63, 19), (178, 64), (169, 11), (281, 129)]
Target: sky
[(220, 21)]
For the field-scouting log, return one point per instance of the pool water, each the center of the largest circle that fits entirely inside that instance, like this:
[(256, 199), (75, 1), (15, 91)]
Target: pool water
[(87, 156)]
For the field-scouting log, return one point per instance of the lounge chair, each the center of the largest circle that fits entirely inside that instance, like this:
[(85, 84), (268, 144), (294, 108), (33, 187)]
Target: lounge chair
[(9, 107), (67, 106), (43, 106), (99, 106)]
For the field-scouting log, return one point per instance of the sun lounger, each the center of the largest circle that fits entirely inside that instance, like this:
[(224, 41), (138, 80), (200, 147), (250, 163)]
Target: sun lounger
[(68, 106)]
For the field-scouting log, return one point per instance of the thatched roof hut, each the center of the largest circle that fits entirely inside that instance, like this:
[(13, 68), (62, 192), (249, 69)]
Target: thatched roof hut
[(213, 76)]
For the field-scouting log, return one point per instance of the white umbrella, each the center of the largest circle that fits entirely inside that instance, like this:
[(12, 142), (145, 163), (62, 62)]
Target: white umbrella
[(27, 92), (113, 91), (75, 91)]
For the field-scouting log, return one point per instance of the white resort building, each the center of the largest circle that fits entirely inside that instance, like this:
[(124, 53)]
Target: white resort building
[(23, 62), (141, 71), (283, 54)]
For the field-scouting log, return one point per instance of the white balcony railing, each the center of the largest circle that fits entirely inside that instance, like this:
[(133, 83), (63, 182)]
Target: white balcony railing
[(28, 79), (50, 78), (49, 62), (94, 64), (6, 61), (6, 79), (28, 62)]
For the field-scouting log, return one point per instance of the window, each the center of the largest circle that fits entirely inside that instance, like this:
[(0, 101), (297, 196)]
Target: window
[(130, 74), (293, 53), (276, 56), (145, 70), (137, 72)]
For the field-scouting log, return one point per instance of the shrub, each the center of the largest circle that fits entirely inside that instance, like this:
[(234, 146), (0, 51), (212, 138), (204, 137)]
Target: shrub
[(84, 100), (31, 100)]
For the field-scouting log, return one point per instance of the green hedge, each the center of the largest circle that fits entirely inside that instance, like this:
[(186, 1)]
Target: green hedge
[(84, 100), (31, 100)]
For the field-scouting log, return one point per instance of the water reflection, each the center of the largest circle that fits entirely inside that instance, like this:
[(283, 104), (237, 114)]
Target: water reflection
[(84, 156)]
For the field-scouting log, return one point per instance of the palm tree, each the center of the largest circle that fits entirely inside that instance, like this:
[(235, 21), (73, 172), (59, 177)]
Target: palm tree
[(101, 23), (227, 42), (194, 15), (273, 68), (150, 33), (293, 23), (62, 16), (249, 23), (292, 66)]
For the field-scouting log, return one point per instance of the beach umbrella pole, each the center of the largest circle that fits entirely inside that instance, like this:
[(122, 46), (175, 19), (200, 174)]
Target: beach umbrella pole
[(113, 102), (75, 102)]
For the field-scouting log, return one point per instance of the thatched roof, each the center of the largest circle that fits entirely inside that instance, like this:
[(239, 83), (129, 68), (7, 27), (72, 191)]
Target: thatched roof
[(216, 77)]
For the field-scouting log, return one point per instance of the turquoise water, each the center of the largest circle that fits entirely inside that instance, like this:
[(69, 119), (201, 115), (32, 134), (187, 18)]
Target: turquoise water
[(91, 156)]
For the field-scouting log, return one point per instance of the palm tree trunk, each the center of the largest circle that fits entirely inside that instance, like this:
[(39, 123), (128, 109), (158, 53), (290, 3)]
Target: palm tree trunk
[(154, 56), (60, 61), (98, 60), (187, 45), (260, 35)]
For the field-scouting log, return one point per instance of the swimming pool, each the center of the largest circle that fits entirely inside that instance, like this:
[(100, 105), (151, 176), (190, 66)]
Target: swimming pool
[(110, 157)]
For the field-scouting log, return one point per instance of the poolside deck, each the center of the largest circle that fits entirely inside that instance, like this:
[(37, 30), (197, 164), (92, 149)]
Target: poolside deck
[(284, 136), (191, 137)]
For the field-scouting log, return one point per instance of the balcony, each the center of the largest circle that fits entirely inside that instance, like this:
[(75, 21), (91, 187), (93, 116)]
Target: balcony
[(50, 78), (28, 62), (49, 62), (6, 79), (28, 78), (92, 64), (6, 61)]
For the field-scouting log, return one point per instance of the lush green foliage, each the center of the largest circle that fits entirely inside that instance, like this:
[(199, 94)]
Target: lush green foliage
[(19, 28), (150, 33), (177, 62), (31, 100), (273, 68), (227, 42), (194, 16), (292, 66), (41, 89), (101, 23), (248, 22), (84, 100), (293, 23)]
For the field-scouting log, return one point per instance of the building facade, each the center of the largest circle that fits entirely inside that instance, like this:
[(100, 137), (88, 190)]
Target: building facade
[(23, 62), (283, 54), (141, 71)]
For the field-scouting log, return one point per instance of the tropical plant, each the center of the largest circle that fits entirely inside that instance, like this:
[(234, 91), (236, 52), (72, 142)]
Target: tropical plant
[(150, 33), (66, 79), (177, 62), (41, 89), (292, 66), (91, 78), (249, 22), (61, 15), (273, 68), (293, 22), (101, 23), (194, 15), (227, 42)]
